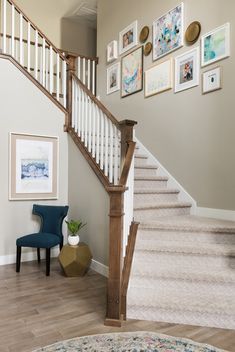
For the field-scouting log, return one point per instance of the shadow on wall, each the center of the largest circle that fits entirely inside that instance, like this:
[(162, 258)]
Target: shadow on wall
[(78, 37)]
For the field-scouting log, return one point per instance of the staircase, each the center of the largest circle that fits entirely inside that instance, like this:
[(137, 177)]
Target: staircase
[(183, 269)]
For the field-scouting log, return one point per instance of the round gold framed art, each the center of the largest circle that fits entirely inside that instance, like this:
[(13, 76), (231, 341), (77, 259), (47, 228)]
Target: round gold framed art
[(144, 34), (193, 32)]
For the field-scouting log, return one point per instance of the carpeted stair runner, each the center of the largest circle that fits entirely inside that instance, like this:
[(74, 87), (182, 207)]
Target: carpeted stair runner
[(184, 266)]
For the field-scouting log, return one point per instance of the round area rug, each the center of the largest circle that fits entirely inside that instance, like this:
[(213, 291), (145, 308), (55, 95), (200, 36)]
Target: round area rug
[(140, 341)]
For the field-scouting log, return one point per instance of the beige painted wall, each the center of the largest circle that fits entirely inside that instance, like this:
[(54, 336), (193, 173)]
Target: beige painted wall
[(63, 33), (25, 109), (191, 134)]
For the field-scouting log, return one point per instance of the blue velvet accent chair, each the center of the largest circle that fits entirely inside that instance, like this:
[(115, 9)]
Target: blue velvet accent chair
[(50, 234)]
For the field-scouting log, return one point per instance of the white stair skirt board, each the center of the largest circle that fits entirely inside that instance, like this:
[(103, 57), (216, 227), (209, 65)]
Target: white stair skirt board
[(183, 265)]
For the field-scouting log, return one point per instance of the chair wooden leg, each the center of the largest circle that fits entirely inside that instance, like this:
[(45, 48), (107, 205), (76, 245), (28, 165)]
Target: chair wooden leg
[(39, 255), (48, 257), (18, 257)]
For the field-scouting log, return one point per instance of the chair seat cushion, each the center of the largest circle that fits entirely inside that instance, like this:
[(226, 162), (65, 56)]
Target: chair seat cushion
[(39, 240)]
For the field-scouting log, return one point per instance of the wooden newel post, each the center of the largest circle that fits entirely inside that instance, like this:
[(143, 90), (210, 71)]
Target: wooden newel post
[(71, 70), (127, 134), (113, 313)]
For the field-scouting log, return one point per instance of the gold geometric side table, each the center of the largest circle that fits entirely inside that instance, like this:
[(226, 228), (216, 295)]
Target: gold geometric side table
[(75, 260)]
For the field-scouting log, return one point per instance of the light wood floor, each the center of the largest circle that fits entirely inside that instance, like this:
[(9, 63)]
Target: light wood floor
[(36, 310)]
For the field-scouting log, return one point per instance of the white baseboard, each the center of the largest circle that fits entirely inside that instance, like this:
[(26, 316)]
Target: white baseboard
[(100, 268), (216, 213), (29, 256)]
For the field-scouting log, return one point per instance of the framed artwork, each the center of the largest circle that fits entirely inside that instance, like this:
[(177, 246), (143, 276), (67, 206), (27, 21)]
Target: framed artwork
[(132, 72), (112, 52), (211, 80), (187, 70), (128, 38), (215, 45), (158, 78), (113, 78), (33, 167), (168, 32)]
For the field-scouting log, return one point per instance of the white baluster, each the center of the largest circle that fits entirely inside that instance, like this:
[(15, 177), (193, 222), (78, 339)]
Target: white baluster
[(51, 71), (82, 115), (89, 124), (36, 55), (106, 146), (93, 131), (111, 151), (21, 40), (116, 156), (84, 71), (76, 117), (93, 77), (79, 67), (13, 30), (4, 26), (64, 82), (43, 62), (101, 140), (57, 76), (86, 119), (97, 116), (28, 47), (73, 102), (79, 110), (89, 74)]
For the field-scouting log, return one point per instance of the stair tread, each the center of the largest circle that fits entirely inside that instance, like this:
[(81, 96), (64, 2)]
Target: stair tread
[(190, 223), (147, 167), (151, 178), (141, 156), (155, 190), (164, 205)]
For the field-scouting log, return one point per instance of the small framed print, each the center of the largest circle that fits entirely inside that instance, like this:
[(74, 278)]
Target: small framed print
[(215, 45), (158, 78), (211, 80), (128, 38), (187, 70), (113, 78), (112, 52)]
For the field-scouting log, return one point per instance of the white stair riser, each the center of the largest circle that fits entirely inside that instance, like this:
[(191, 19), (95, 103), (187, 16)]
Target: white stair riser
[(150, 184), (196, 238), (146, 198), (150, 263), (151, 214), (181, 317), (145, 172), (140, 161)]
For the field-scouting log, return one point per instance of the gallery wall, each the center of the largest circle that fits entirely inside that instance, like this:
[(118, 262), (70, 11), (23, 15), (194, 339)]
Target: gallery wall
[(25, 109), (191, 134)]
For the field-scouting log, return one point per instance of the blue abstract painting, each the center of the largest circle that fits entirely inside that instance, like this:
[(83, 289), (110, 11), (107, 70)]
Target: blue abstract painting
[(168, 32), (34, 169)]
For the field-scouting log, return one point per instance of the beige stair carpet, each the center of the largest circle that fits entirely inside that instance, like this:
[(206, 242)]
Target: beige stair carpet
[(184, 266)]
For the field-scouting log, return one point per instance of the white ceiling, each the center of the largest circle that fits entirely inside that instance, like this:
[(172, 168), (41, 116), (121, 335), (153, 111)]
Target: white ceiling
[(84, 11)]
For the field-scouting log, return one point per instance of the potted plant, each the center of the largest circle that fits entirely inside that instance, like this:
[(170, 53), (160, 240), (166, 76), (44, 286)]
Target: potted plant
[(74, 226)]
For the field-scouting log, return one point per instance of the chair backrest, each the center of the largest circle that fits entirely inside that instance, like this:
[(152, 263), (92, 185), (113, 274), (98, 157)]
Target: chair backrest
[(52, 217)]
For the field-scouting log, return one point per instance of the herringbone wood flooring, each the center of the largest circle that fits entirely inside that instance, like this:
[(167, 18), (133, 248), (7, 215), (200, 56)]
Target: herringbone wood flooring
[(36, 310)]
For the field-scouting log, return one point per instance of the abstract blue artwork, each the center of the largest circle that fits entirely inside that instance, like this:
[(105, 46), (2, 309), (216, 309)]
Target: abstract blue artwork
[(168, 32)]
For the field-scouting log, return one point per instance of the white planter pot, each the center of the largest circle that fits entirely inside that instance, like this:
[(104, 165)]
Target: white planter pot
[(73, 240)]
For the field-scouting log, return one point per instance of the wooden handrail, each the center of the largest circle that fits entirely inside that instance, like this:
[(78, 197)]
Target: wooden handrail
[(127, 266), (96, 101), (18, 9), (70, 53), (127, 162)]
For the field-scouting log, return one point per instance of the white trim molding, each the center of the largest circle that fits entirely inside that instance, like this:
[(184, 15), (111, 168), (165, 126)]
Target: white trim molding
[(100, 268), (216, 213)]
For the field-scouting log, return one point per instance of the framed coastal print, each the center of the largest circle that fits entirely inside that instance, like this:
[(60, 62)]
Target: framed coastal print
[(132, 72), (112, 52), (211, 80), (128, 38), (113, 78), (168, 32), (158, 78), (187, 68), (215, 45), (33, 167)]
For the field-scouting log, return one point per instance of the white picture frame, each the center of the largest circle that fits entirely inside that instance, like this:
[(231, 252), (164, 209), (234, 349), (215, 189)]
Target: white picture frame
[(113, 78), (212, 80), (112, 51), (163, 43), (215, 45), (128, 37), (158, 78), (187, 69), (33, 167)]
